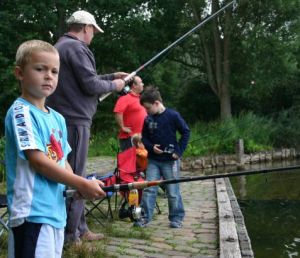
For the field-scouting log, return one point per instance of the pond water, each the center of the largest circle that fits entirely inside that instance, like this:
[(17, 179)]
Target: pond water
[(271, 207)]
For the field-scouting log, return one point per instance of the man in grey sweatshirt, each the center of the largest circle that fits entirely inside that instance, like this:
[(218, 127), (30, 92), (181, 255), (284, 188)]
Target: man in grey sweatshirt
[(76, 98)]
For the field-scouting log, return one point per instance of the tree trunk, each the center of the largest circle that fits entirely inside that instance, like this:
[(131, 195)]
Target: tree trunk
[(217, 58), (225, 103)]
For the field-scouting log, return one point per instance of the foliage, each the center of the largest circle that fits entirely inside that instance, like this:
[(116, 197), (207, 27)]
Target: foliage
[(221, 137), (265, 75), (264, 53), (258, 133), (286, 133), (196, 90), (103, 145)]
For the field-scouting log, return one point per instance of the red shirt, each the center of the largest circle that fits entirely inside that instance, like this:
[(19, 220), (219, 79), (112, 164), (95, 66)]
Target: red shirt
[(133, 114)]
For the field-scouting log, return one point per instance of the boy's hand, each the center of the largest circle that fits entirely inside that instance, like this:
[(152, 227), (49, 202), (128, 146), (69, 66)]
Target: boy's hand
[(91, 189), (175, 156), (156, 149)]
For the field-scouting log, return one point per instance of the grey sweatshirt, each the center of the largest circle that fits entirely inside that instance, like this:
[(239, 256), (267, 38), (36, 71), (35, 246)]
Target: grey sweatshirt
[(79, 85)]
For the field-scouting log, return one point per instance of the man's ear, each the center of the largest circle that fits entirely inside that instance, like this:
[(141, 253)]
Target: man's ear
[(85, 28), (19, 73)]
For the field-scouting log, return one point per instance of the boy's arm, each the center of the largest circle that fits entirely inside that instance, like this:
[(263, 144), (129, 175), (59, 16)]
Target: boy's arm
[(184, 131), (68, 167), (145, 137), (89, 189)]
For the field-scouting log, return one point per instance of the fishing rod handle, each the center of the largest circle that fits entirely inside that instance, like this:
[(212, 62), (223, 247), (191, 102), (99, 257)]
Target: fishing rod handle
[(118, 187), (70, 192), (129, 77), (126, 80)]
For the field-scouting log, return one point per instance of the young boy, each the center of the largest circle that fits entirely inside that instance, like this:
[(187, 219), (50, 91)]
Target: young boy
[(141, 153), (159, 137), (35, 155)]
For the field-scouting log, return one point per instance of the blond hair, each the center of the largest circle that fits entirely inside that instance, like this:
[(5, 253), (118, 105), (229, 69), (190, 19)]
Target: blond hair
[(27, 48), (136, 139)]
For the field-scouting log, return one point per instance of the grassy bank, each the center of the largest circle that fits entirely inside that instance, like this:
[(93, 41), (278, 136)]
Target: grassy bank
[(210, 138), (259, 133)]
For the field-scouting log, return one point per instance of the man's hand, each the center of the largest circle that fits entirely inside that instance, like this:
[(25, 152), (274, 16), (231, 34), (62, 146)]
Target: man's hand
[(126, 129), (120, 75), (120, 84)]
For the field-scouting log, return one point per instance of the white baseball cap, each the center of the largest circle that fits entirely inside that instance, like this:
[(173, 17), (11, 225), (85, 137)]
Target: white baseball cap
[(83, 17)]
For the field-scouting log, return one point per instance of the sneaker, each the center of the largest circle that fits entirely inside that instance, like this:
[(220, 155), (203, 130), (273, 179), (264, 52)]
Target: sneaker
[(175, 224), (141, 224), (90, 236), (73, 243)]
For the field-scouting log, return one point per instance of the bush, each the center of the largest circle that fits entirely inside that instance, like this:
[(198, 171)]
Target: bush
[(220, 137), (286, 133), (103, 144)]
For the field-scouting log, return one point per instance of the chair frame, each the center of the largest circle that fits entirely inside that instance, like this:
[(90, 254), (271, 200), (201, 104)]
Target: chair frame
[(3, 216), (96, 204)]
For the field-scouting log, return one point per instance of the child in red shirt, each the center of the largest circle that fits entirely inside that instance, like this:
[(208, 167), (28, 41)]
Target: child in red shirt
[(141, 153)]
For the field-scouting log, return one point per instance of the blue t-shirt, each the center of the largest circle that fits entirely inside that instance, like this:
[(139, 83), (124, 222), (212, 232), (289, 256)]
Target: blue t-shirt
[(31, 196)]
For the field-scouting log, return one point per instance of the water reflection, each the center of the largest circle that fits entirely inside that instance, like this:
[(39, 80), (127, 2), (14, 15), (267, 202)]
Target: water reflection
[(273, 227), (271, 207)]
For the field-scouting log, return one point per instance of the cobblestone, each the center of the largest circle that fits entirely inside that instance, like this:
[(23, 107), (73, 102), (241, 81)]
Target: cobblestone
[(197, 238)]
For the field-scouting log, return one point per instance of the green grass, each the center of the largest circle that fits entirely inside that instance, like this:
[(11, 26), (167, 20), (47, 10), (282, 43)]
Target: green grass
[(3, 245), (103, 145), (220, 137)]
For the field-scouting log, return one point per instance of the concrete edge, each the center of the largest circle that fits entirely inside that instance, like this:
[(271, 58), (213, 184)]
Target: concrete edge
[(243, 237)]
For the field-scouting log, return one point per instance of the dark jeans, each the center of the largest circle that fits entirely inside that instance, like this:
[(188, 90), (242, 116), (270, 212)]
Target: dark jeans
[(78, 138), (25, 239)]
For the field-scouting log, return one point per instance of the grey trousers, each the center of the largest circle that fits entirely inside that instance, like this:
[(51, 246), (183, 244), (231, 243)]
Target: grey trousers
[(78, 138)]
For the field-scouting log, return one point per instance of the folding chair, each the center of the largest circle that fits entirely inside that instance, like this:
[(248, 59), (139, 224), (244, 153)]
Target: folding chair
[(126, 173), (3, 210), (104, 211), (3, 214)]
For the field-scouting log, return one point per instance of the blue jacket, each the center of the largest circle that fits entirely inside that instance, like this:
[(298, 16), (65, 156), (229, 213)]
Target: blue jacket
[(161, 129)]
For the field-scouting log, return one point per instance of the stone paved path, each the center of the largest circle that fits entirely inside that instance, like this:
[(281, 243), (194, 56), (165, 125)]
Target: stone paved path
[(197, 238)]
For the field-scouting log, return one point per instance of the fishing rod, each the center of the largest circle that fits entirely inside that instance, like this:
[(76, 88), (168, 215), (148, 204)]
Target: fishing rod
[(130, 76), (146, 184)]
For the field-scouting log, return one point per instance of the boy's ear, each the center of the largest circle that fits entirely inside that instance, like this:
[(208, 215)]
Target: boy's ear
[(19, 73)]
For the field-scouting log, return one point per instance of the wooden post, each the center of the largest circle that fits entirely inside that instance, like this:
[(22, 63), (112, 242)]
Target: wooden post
[(240, 153)]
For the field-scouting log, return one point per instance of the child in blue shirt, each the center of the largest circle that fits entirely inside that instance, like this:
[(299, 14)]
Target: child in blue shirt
[(164, 151), (36, 158)]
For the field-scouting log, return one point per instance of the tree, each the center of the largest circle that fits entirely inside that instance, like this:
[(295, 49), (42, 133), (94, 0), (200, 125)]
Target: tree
[(246, 59), (265, 75)]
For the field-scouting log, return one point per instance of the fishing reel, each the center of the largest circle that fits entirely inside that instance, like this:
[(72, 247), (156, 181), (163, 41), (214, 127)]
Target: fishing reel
[(130, 208), (124, 91)]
